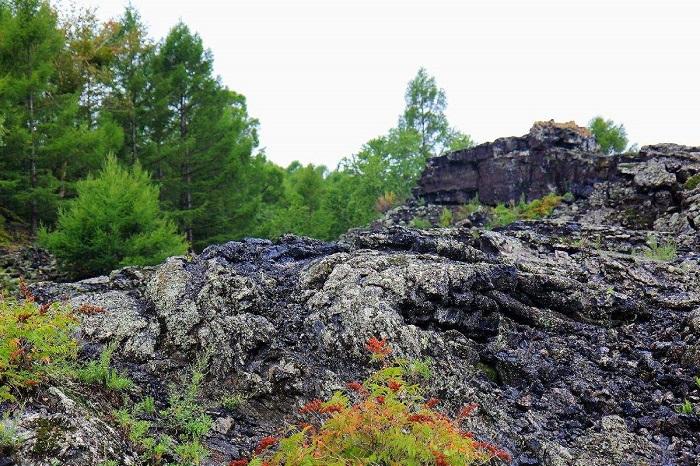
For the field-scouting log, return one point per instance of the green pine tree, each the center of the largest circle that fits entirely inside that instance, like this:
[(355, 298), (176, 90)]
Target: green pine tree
[(114, 221)]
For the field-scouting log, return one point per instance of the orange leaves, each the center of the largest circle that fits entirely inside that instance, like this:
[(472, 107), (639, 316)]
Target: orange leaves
[(332, 408), (394, 385), (239, 462), (467, 410), (431, 403), (90, 309)]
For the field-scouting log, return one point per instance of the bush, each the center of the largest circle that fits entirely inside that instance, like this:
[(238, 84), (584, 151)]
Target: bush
[(503, 215), (384, 421), (469, 208), (445, 217), (115, 221), (420, 223), (385, 202), (36, 342)]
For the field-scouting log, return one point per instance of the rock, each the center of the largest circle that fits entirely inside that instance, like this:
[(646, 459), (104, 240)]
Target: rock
[(577, 347)]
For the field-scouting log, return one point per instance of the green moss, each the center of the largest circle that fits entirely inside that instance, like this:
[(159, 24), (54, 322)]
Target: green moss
[(692, 182), (49, 437)]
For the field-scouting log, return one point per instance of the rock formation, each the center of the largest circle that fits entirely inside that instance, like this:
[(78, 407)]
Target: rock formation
[(577, 348)]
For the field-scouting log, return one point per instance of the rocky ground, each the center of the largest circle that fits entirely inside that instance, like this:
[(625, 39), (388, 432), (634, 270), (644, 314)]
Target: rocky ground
[(578, 347)]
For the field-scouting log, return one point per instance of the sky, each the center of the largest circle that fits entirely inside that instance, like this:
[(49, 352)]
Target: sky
[(325, 76)]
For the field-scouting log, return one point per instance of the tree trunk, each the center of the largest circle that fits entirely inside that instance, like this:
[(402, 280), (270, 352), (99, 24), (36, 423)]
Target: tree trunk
[(32, 166)]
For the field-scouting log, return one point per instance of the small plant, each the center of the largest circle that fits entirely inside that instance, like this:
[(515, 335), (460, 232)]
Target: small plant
[(146, 406), (469, 208), (99, 372), (385, 202), (665, 252), (9, 438), (384, 420), (685, 408), (232, 402), (503, 215), (36, 342), (445, 217), (420, 223), (697, 381), (692, 182)]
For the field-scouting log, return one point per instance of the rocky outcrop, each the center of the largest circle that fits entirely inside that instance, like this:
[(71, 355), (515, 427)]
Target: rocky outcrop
[(578, 348), (552, 157), (565, 339)]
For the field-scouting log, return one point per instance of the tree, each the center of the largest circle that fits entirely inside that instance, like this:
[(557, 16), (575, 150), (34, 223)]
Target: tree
[(612, 138), (203, 136), (114, 221), (29, 43)]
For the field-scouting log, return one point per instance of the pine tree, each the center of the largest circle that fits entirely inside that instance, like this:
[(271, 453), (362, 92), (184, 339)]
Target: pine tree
[(114, 221), (203, 138)]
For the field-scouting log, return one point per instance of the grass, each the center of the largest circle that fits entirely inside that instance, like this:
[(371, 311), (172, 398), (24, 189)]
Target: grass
[(445, 217), (420, 223), (665, 252), (469, 208)]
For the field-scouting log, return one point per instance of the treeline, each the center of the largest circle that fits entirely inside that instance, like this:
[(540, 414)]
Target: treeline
[(74, 89)]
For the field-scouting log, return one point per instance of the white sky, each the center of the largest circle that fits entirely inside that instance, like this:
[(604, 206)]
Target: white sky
[(325, 76)]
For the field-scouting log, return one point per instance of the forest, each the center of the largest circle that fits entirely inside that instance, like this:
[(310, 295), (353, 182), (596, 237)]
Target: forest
[(125, 149)]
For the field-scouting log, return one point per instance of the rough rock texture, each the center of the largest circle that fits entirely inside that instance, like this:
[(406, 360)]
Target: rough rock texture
[(31, 263), (578, 349)]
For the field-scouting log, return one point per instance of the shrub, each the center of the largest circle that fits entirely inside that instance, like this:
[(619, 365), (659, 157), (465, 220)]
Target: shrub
[(385, 420), (503, 215), (99, 372), (665, 252), (445, 217), (36, 342), (115, 221), (692, 182), (420, 223)]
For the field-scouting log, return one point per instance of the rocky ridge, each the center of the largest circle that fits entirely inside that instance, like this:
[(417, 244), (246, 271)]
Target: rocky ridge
[(578, 348)]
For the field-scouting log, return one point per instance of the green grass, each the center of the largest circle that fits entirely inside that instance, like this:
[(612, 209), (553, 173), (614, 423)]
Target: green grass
[(503, 215), (665, 252), (420, 223), (692, 182), (445, 217)]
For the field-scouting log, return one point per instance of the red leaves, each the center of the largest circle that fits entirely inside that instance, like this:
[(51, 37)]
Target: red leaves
[(381, 399), (333, 408), (90, 309), (394, 385), (467, 410), (312, 406), (440, 459), (379, 348), (431, 403), (239, 462), (24, 290), (421, 418), (493, 450), (265, 443)]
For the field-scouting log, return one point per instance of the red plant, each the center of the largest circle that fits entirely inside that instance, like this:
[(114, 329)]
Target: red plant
[(420, 418), (394, 385), (357, 387), (381, 399), (239, 462), (312, 406), (334, 408), (90, 309), (24, 290), (431, 403), (467, 410), (265, 443), (440, 459), (378, 348)]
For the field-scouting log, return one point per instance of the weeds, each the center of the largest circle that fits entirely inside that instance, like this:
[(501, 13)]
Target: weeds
[(685, 408), (692, 182), (503, 215), (232, 402), (445, 217), (420, 223)]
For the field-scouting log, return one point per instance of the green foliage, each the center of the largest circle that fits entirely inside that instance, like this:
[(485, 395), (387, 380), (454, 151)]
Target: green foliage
[(612, 138), (384, 420), (685, 408), (468, 209), (420, 223), (232, 402), (114, 221), (9, 436), (35, 343), (99, 372), (445, 217), (692, 182), (503, 215), (661, 252), (184, 418)]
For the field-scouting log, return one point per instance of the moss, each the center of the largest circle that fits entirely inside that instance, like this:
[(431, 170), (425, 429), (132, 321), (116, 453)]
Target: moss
[(489, 371), (49, 437), (692, 182)]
